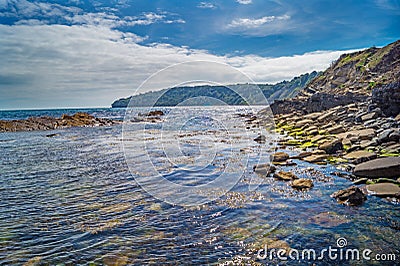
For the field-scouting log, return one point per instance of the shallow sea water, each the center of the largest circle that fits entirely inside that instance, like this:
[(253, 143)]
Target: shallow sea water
[(72, 199)]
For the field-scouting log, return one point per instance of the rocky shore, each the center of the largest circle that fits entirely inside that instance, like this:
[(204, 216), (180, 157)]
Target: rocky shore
[(50, 123), (349, 116)]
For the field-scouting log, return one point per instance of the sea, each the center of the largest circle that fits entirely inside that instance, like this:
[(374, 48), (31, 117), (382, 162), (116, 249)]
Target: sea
[(180, 190)]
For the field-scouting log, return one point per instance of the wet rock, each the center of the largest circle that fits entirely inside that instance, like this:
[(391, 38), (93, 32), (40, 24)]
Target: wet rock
[(280, 157), (285, 176), (357, 157), (302, 183), (155, 113), (360, 181), (387, 180), (49, 123), (52, 135), (260, 139), (328, 219), (264, 169), (316, 158), (384, 190), (302, 155), (352, 196), (331, 146), (381, 167)]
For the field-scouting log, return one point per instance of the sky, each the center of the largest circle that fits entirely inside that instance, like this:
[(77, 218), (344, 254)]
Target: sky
[(79, 53)]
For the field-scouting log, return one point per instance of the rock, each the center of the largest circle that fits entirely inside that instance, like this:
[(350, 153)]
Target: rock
[(52, 135), (285, 176), (369, 116), (49, 123), (387, 180), (351, 196), (304, 122), (360, 181), (316, 158), (280, 157), (155, 113), (264, 169), (387, 98), (362, 134), (331, 146), (336, 130), (394, 136), (302, 155), (302, 183), (260, 139), (384, 190), (360, 156), (384, 136), (328, 219), (397, 118), (381, 167)]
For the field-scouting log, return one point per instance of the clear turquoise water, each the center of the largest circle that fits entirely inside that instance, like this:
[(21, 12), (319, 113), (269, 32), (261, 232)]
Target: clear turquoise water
[(71, 200)]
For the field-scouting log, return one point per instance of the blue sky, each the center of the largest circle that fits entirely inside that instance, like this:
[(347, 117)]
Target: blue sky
[(88, 53)]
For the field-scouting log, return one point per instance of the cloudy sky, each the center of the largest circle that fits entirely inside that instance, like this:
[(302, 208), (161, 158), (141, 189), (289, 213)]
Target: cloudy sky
[(77, 53)]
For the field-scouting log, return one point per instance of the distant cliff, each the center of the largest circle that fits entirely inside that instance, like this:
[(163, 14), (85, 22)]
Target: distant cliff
[(372, 74), (226, 94)]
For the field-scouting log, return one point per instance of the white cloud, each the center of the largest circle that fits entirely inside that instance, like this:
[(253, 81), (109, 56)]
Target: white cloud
[(29, 12), (206, 5), (255, 23), (87, 65), (244, 2), (260, 27)]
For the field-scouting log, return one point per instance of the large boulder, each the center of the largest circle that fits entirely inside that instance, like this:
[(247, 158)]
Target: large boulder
[(331, 146), (381, 167), (387, 97), (352, 196)]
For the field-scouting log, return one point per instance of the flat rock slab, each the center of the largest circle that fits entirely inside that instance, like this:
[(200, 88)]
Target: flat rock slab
[(302, 183), (285, 176), (381, 167), (315, 158), (360, 156), (384, 190)]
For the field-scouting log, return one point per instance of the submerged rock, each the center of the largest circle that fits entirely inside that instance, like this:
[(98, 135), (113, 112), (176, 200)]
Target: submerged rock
[(351, 196), (328, 219), (381, 167)]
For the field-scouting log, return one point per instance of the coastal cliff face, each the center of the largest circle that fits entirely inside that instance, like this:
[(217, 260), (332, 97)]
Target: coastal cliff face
[(372, 74)]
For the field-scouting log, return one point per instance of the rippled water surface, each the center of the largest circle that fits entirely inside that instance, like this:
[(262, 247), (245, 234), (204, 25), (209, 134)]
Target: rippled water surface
[(71, 200)]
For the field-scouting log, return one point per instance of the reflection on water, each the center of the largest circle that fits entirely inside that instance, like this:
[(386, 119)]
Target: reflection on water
[(71, 200)]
